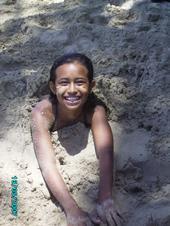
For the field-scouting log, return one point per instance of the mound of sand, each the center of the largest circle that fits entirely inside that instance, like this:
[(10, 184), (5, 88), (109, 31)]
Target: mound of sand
[(130, 48)]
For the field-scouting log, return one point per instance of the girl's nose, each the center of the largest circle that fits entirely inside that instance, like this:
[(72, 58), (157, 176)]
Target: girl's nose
[(72, 88)]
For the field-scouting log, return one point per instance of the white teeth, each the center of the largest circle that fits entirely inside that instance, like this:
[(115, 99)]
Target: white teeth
[(72, 98)]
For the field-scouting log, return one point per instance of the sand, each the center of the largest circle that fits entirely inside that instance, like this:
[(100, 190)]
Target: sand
[(130, 48)]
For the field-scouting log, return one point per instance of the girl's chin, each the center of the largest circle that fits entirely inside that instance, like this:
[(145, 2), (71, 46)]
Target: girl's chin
[(72, 107)]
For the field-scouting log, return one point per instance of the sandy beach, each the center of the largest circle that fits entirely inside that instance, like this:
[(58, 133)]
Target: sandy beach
[(129, 46)]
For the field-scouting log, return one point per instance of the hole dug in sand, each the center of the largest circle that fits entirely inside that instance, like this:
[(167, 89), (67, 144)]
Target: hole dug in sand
[(159, 222), (156, 214)]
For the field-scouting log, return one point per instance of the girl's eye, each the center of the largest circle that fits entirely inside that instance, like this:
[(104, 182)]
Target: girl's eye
[(63, 83), (80, 82)]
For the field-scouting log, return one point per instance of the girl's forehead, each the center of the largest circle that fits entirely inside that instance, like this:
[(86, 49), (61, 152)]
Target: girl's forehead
[(70, 69)]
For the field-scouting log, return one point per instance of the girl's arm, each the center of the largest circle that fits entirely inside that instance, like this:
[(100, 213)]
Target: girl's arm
[(103, 140), (46, 160)]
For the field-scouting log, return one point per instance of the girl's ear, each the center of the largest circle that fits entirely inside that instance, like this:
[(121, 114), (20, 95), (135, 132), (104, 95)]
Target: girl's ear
[(52, 87)]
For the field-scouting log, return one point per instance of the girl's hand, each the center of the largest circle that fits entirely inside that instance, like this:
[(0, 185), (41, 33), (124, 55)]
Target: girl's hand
[(78, 218), (107, 213)]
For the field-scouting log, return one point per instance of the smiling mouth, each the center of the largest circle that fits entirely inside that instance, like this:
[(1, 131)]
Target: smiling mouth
[(72, 100)]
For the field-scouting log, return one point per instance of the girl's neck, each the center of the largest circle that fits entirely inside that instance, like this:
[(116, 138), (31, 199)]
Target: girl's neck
[(68, 116)]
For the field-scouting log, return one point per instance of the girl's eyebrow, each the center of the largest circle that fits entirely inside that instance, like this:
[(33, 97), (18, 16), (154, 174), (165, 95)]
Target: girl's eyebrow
[(83, 78), (67, 78), (63, 78)]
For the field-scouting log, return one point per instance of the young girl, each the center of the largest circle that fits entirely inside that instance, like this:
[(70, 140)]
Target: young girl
[(71, 100)]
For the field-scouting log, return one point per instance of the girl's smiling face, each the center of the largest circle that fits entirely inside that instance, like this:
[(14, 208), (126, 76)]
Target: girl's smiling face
[(71, 85)]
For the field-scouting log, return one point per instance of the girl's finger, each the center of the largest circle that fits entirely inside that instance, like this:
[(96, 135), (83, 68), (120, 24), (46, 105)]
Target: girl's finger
[(95, 220), (120, 216), (94, 217), (101, 213), (110, 220), (116, 218)]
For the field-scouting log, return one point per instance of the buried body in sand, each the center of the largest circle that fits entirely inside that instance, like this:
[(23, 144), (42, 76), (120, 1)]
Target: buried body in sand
[(72, 101)]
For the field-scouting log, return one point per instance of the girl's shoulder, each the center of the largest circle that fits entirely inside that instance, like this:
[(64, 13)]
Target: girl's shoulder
[(44, 111), (44, 105), (94, 107), (94, 101)]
